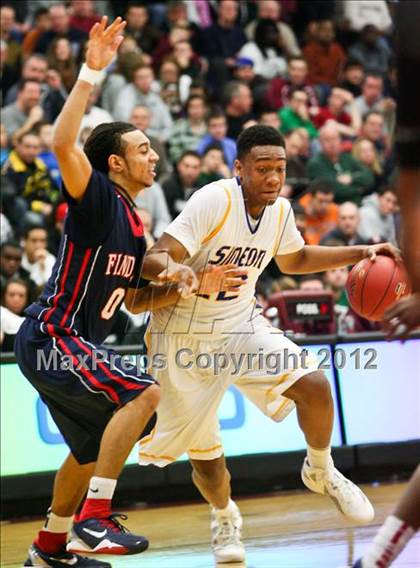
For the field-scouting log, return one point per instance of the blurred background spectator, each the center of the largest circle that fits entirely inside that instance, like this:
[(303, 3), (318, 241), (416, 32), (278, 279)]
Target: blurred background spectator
[(192, 76)]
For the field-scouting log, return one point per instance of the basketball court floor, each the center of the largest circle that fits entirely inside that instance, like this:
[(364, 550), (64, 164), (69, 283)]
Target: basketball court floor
[(282, 530)]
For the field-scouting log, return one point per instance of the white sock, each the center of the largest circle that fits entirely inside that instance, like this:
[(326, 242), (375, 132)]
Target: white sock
[(319, 458), (56, 524), (230, 507), (101, 488), (388, 542)]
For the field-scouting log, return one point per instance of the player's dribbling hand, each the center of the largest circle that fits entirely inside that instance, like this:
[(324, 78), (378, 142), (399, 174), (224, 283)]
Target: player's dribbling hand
[(183, 275), (225, 278), (386, 249), (402, 317), (104, 42)]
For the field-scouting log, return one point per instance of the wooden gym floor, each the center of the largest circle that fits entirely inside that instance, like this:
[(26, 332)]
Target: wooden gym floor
[(287, 530)]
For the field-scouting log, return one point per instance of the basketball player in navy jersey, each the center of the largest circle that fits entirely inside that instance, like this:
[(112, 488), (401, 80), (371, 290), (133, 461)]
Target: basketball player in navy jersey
[(101, 410)]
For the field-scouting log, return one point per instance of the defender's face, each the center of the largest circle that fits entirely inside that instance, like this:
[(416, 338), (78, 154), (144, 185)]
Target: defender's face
[(140, 159), (262, 173)]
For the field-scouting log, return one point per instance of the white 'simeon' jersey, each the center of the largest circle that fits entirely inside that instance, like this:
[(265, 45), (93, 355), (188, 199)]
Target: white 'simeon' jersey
[(214, 228)]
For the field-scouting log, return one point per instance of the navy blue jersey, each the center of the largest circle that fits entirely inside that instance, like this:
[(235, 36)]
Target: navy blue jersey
[(100, 256)]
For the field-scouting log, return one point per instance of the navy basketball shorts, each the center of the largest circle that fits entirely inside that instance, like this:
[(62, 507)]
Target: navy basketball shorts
[(81, 397)]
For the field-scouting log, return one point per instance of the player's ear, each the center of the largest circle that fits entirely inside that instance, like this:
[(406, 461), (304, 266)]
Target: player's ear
[(115, 163), (237, 168)]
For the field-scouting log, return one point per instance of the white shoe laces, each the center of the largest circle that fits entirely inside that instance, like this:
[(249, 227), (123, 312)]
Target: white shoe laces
[(226, 532)]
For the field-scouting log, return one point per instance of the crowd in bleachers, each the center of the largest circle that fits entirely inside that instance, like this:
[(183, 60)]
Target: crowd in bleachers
[(193, 74)]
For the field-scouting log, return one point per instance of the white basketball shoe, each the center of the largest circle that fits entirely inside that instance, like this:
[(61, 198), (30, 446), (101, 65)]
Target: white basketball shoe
[(226, 527), (346, 496)]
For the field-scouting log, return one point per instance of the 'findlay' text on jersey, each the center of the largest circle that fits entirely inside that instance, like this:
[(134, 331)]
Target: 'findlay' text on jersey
[(100, 256)]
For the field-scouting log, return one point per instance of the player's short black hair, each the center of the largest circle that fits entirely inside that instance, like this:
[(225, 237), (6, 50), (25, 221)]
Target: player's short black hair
[(258, 135), (104, 140)]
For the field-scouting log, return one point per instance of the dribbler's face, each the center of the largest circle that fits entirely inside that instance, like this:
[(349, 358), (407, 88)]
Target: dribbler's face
[(139, 160), (262, 173)]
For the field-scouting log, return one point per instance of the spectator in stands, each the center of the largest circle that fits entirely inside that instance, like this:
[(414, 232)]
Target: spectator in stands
[(53, 93), (271, 9), (296, 114), (237, 100), (213, 165), (15, 298), (167, 43), (266, 50), (335, 282), (373, 129), (216, 133), (325, 56), (352, 77), (30, 178), (271, 118), (35, 69), (36, 259), (9, 75), (60, 27), (11, 263), (21, 116), (128, 60), (11, 36), (139, 92), (350, 178), (45, 133), (16, 295), (311, 283), (170, 86), (83, 15), (221, 43), (296, 174), (41, 24), (180, 186), (187, 132), (188, 62), (371, 52), (377, 217), (140, 28), (141, 117), (94, 115), (61, 59), (153, 199), (338, 99), (364, 12), (279, 88), (372, 99), (320, 210), (346, 233), (365, 152)]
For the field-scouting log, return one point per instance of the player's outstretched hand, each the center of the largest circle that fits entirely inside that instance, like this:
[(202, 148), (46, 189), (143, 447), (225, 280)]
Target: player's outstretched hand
[(402, 317), (104, 42), (225, 278), (386, 249), (183, 275)]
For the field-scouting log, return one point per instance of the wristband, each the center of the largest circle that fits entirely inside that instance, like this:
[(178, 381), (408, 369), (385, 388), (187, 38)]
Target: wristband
[(91, 76)]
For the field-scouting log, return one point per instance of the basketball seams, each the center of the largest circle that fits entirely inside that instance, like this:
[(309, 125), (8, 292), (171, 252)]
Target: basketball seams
[(385, 292), (364, 283)]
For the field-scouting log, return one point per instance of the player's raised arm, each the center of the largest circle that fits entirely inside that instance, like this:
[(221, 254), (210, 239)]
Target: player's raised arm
[(74, 165)]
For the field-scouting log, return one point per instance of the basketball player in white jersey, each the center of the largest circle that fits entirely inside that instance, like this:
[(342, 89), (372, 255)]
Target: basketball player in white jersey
[(241, 221)]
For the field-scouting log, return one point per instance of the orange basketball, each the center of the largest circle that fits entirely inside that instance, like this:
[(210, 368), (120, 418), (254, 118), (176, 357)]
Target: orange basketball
[(374, 286)]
